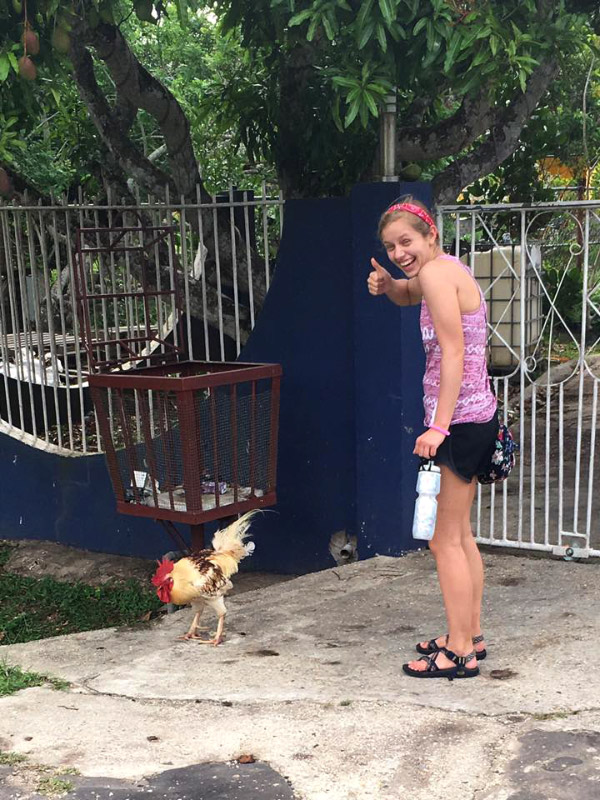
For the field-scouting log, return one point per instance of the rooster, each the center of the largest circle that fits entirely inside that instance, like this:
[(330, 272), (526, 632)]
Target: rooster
[(202, 578)]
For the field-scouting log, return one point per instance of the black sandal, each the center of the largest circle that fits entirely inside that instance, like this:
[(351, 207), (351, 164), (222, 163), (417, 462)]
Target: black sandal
[(431, 647), (433, 671)]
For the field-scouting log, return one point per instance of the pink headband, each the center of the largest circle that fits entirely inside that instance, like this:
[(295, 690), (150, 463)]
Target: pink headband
[(412, 209)]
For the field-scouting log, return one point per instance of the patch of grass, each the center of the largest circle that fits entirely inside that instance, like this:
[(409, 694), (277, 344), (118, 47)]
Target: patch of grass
[(11, 759), (554, 715), (54, 786), (13, 679), (60, 684), (33, 608)]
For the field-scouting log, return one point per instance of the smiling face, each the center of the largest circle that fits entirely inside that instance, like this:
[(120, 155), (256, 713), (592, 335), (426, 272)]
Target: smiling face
[(407, 247)]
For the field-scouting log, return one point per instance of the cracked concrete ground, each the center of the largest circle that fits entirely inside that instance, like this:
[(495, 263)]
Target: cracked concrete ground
[(309, 682)]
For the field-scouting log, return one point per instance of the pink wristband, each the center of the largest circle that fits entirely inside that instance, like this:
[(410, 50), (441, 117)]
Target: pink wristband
[(439, 430)]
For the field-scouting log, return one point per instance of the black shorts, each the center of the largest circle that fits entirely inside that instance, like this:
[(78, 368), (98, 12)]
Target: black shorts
[(467, 447)]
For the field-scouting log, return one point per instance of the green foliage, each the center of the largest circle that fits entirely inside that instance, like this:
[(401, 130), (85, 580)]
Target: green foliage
[(554, 131), (294, 86)]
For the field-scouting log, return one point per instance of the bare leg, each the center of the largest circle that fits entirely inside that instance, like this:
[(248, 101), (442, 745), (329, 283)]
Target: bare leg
[(473, 555), (453, 566)]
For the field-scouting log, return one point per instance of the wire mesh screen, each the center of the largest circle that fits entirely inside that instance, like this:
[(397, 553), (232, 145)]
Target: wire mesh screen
[(128, 294), (197, 451)]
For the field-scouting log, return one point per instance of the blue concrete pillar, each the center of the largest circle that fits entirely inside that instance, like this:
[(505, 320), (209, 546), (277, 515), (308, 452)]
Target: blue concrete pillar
[(351, 402)]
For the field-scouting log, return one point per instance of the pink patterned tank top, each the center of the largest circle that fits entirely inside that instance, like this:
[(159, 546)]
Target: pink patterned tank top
[(476, 401)]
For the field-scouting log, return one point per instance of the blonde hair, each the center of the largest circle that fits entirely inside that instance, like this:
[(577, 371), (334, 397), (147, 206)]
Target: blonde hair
[(415, 222)]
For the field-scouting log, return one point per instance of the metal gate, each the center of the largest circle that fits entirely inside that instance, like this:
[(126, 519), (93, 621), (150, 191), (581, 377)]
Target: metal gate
[(539, 268)]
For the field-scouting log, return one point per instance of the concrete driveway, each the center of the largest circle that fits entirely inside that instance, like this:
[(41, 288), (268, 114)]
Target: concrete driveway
[(309, 684)]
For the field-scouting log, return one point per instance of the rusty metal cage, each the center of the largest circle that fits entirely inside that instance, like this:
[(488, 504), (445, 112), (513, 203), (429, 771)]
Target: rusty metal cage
[(185, 441), (190, 442)]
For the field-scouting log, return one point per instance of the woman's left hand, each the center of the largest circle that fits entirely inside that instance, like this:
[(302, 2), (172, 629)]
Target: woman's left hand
[(427, 444)]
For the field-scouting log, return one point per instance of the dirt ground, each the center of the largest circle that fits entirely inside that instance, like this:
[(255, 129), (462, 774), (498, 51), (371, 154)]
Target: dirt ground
[(36, 559)]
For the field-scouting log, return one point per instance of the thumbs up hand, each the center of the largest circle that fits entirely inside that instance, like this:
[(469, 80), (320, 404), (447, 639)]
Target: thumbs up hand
[(380, 280)]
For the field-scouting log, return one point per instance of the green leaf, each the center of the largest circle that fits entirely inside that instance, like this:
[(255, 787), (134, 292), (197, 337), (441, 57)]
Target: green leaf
[(13, 62), (419, 25), (372, 105), (494, 41), (352, 112), (397, 32), (481, 56), (4, 66), (340, 80), (336, 115), (327, 26), (382, 37), (298, 19), (378, 88), (366, 35), (365, 10), (387, 12), (451, 53), (312, 29), (55, 95), (523, 80), (430, 35)]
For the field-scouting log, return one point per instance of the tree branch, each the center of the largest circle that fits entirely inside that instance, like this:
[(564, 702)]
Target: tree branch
[(136, 85), (110, 125), (451, 135), (502, 140)]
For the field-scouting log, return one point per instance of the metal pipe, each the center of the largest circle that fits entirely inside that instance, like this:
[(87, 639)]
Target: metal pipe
[(388, 138)]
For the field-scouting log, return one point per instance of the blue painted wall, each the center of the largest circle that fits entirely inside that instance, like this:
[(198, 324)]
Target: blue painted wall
[(68, 500), (350, 410)]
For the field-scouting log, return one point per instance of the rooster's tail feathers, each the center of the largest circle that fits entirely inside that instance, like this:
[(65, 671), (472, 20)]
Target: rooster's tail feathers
[(231, 539)]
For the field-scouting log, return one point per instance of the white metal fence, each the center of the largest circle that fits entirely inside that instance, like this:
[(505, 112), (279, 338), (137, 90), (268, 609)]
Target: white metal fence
[(539, 267), (224, 250)]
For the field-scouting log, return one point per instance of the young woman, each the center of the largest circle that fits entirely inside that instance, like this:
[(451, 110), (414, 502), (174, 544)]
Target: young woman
[(460, 417)]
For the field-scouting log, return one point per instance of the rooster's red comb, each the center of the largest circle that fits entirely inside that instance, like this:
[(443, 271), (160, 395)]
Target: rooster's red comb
[(164, 568)]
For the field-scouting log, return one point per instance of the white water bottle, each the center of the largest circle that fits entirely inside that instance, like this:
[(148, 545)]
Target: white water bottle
[(428, 487)]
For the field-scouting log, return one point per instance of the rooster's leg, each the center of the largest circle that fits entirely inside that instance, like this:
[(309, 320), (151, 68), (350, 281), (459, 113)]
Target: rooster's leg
[(219, 607), (191, 634), (218, 638)]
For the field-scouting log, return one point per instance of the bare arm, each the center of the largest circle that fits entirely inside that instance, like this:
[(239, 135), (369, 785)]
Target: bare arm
[(405, 292), (402, 292), (441, 296)]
